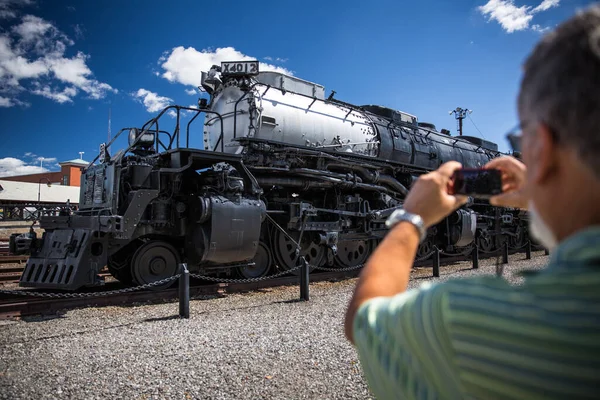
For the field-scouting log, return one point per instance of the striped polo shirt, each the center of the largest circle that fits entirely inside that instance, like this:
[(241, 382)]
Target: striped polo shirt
[(483, 338)]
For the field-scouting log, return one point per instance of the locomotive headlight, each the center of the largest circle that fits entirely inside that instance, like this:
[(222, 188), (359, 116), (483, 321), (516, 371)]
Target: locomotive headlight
[(146, 140)]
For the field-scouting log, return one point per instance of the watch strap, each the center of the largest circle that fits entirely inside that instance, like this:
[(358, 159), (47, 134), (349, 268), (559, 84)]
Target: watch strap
[(402, 215)]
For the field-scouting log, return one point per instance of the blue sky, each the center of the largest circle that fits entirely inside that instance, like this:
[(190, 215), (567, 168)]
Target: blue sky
[(63, 63)]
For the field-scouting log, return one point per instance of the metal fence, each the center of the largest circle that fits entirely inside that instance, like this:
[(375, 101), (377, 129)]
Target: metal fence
[(31, 211)]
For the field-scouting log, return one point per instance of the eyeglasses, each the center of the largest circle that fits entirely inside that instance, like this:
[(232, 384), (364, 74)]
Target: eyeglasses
[(514, 136)]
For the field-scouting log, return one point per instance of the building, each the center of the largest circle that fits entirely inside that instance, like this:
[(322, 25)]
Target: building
[(24, 192), (69, 175), (25, 201)]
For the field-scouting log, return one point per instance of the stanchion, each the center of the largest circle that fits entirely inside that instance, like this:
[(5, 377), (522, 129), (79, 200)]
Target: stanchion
[(505, 253), (528, 250), (436, 262), (475, 256), (184, 291), (304, 283)]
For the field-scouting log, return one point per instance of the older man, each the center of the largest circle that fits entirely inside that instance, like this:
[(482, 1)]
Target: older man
[(482, 337)]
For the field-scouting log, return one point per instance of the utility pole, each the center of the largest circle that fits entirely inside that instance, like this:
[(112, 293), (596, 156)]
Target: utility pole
[(109, 107), (460, 114)]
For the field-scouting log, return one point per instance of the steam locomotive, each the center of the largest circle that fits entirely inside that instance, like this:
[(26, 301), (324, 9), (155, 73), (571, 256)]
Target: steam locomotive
[(285, 172)]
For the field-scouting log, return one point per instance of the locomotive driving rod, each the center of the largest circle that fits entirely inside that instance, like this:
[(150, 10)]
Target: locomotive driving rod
[(374, 177)]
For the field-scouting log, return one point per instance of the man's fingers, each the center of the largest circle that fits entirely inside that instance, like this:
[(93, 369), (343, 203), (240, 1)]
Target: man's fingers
[(460, 200), (448, 168), (506, 163)]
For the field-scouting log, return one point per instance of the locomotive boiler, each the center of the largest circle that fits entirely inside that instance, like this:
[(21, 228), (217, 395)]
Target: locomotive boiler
[(285, 172)]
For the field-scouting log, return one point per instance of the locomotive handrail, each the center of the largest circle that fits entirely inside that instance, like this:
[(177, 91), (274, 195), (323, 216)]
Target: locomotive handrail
[(187, 130), (235, 110), (107, 146), (147, 127)]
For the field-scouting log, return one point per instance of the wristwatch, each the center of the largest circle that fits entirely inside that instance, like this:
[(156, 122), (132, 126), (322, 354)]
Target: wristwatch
[(401, 215)]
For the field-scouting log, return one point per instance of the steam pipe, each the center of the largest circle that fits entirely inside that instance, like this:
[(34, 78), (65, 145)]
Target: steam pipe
[(295, 182), (375, 178)]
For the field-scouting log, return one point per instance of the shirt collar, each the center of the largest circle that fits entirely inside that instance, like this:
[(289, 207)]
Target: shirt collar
[(580, 247)]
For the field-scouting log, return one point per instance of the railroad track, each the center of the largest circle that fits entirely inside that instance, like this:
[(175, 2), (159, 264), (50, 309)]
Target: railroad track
[(12, 259), (18, 306), (3, 246), (13, 274)]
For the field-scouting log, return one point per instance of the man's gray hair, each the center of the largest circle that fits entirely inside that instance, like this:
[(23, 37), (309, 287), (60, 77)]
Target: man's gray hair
[(561, 85)]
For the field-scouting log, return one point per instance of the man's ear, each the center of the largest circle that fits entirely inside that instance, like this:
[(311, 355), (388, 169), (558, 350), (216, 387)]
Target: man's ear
[(545, 153)]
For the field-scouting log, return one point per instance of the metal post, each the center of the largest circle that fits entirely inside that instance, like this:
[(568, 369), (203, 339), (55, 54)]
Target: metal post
[(304, 283), (505, 253), (184, 291), (528, 250), (436, 262), (475, 257)]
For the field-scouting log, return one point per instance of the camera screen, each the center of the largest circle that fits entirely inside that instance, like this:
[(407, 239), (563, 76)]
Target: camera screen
[(478, 182)]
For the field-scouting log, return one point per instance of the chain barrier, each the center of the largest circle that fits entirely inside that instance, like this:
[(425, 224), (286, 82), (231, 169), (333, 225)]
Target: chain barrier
[(91, 294), (426, 256), (230, 280), (495, 252), (341, 269), (463, 254), (249, 280), (519, 247)]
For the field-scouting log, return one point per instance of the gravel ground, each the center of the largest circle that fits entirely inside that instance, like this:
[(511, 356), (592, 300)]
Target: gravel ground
[(248, 346)]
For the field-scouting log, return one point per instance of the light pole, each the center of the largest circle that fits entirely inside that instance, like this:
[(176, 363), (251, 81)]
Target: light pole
[(39, 192)]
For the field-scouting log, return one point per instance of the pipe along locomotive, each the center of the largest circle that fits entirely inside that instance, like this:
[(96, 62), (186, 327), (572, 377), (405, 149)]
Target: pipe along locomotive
[(285, 171)]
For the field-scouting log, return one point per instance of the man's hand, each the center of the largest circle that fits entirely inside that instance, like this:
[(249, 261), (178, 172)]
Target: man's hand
[(513, 183), (429, 197)]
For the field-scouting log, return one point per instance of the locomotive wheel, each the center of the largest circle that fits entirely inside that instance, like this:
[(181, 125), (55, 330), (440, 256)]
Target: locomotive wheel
[(485, 241), (262, 263), (284, 251), (519, 239), (424, 248), (153, 261), (352, 253)]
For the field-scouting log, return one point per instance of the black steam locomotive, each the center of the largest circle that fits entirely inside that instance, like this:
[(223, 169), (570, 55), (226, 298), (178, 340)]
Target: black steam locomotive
[(284, 172)]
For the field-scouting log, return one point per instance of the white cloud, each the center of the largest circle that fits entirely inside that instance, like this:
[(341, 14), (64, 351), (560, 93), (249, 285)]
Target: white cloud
[(185, 65), (539, 29), (50, 160), (152, 101), (60, 97), (8, 7), (545, 5), (191, 92), (10, 166), (513, 18), (172, 113), (5, 102), (33, 59), (8, 102)]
